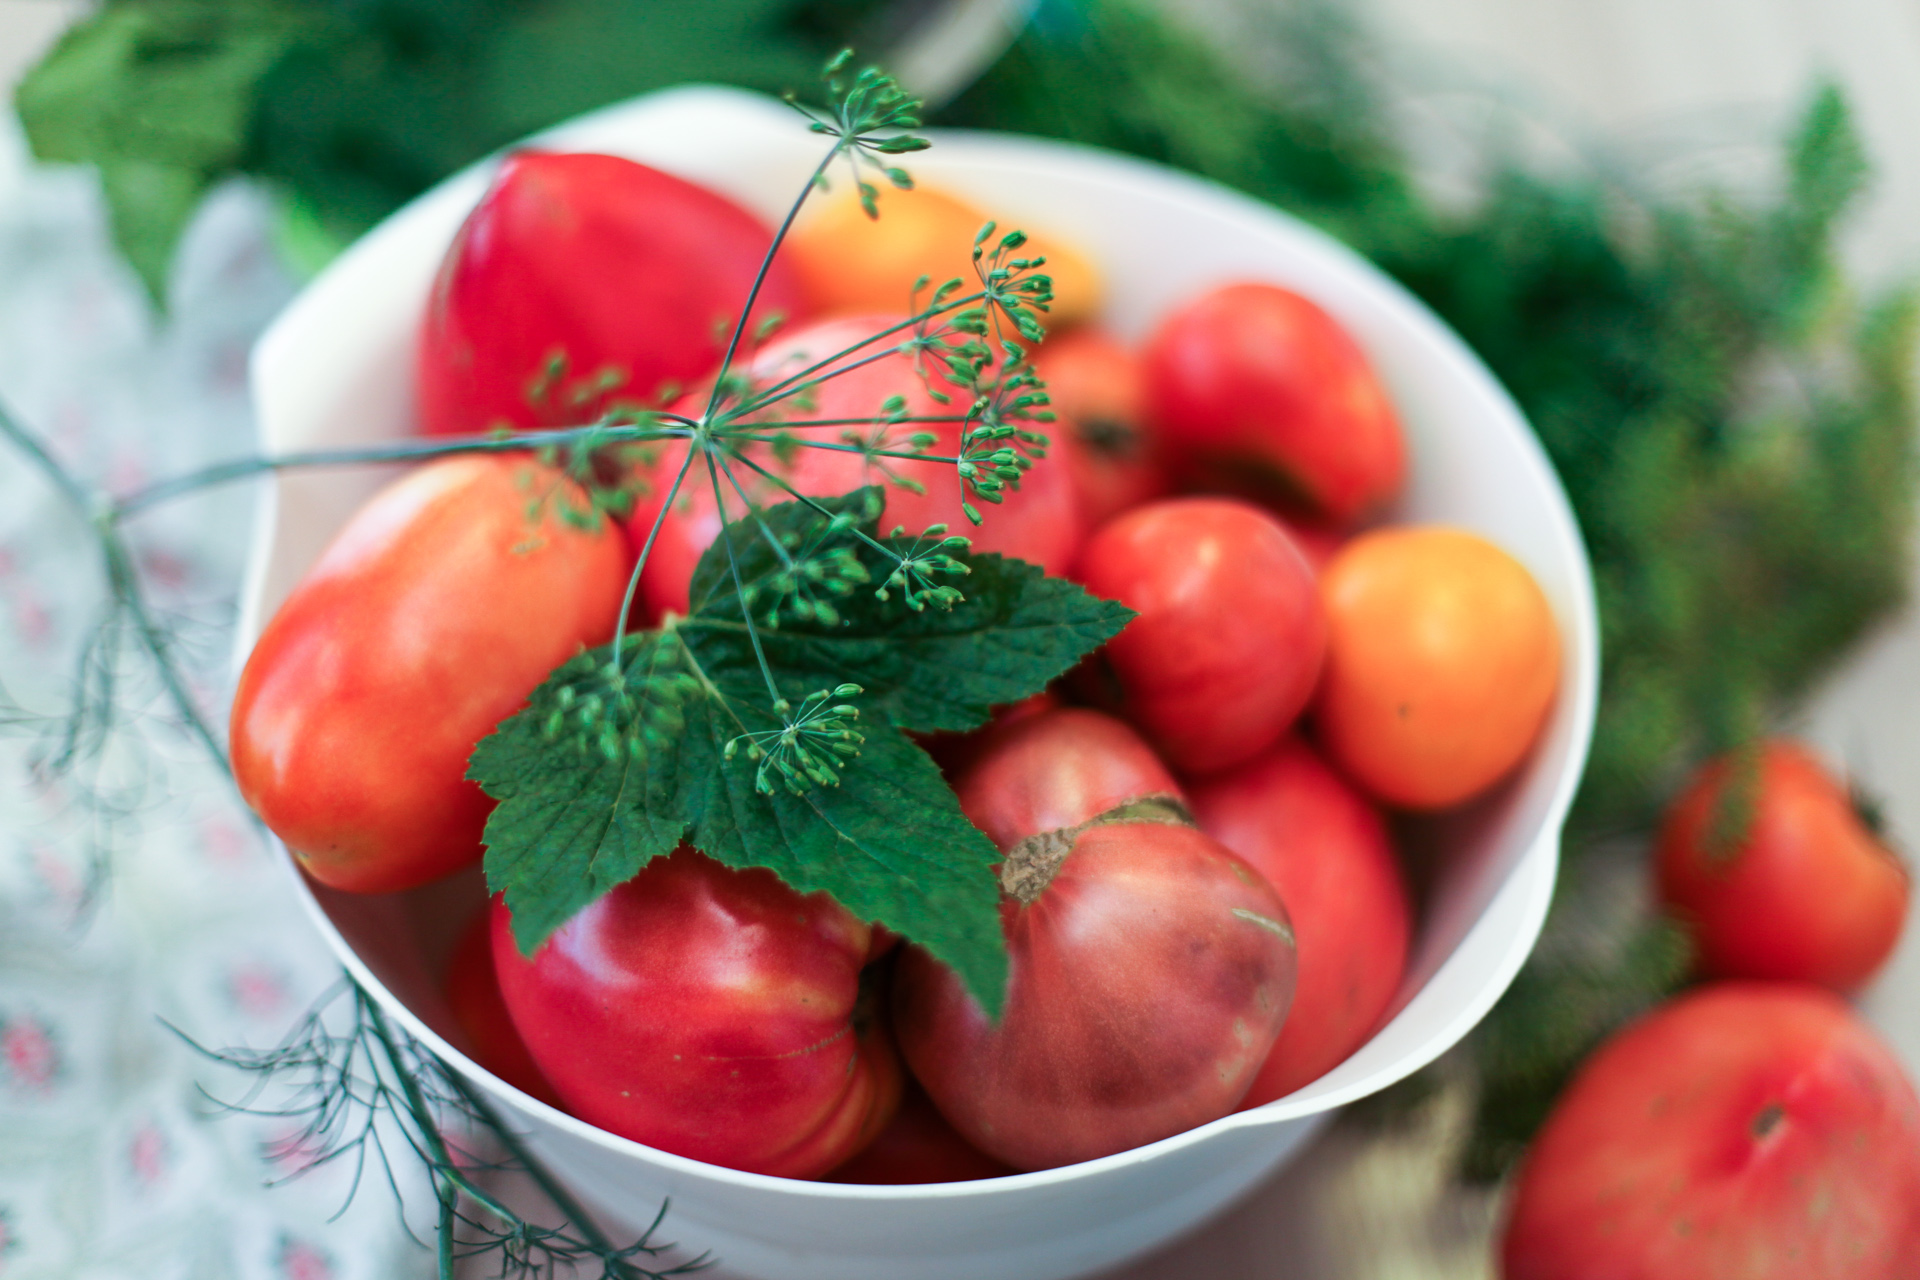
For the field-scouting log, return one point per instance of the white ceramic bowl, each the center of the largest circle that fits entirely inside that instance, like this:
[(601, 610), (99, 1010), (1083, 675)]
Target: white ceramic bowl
[(335, 369)]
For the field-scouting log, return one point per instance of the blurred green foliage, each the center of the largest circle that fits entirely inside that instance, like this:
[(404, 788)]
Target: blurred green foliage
[(1735, 433), (353, 107)]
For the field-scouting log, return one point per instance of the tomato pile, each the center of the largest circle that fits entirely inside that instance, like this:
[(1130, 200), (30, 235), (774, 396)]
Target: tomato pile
[(1202, 906)]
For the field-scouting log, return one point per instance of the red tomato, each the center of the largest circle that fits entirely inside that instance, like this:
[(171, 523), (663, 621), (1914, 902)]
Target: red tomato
[(1055, 770), (1254, 384), (708, 1012), (1230, 635), (1091, 1054), (1442, 662), (1039, 523), (617, 265), (1746, 1131), (1326, 852), (1095, 385), (473, 994), (919, 1146), (439, 607), (1769, 864)]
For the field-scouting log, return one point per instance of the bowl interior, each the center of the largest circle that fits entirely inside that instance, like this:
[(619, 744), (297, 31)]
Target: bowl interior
[(335, 369)]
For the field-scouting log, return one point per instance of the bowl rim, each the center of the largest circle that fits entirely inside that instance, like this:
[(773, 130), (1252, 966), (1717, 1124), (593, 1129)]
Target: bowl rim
[(1524, 891)]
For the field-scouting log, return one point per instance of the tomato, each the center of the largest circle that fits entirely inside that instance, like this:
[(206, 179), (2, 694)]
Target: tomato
[(1149, 968), (1230, 635), (709, 1012), (1252, 384), (436, 611), (1095, 387), (616, 265), (472, 989), (1057, 769), (1775, 874), (851, 262), (918, 1146), (1442, 663), (1040, 522), (1326, 852), (1745, 1131)]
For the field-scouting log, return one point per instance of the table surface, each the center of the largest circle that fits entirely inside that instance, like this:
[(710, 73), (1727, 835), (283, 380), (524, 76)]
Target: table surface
[(1640, 76)]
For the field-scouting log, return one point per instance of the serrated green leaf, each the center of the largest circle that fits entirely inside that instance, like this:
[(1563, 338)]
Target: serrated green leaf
[(159, 95), (932, 671), (581, 809)]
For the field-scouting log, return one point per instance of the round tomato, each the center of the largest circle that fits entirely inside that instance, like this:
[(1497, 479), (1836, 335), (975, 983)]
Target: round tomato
[(1442, 662), (1230, 635), (1746, 1131), (472, 989), (1038, 522), (851, 262), (439, 607), (713, 1013), (1094, 385), (1149, 968), (1768, 862), (1254, 388), (1326, 851), (622, 269)]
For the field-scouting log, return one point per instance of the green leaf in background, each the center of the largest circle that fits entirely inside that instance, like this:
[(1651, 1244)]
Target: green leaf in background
[(353, 107), (160, 96), (581, 813)]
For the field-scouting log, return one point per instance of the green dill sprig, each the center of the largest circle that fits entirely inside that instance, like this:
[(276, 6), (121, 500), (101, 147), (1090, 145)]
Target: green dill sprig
[(811, 746), (349, 1081)]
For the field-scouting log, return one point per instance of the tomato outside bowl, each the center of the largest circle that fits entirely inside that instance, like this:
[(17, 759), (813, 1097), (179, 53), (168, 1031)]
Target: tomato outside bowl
[(335, 369)]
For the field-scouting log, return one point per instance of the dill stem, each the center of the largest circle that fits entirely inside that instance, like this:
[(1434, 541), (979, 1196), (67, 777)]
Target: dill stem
[(739, 588), (123, 580), (403, 451)]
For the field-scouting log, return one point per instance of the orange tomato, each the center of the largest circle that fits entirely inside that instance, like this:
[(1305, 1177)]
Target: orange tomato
[(850, 262), (439, 607), (1442, 659)]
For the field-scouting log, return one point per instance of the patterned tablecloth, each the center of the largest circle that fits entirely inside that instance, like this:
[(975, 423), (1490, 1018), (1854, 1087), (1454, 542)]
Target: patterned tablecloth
[(133, 894)]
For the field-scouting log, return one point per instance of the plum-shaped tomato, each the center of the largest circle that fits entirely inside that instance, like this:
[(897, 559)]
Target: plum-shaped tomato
[(1325, 849), (1149, 968), (614, 265), (1230, 636), (1770, 865), (1094, 384), (1255, 388), (1746, 1131), (1039, 522), (439, 607), (709, 1012)]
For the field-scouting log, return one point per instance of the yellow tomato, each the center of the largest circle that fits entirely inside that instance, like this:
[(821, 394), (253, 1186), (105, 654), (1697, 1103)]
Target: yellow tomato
[(850, 262)]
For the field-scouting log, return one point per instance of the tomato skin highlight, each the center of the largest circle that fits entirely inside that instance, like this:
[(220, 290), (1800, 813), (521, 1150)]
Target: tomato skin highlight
[(1808, 893), (1443, 659), (615, 263), (1039, 523), (1744, 1131), (1231, 633), (1252, 383), (1147, 978), (430, 618), (1326, 851), (710, 1013)]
